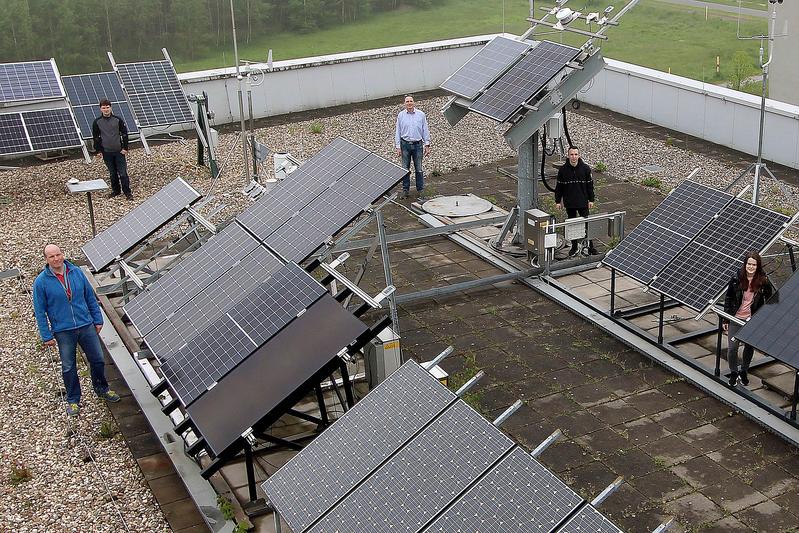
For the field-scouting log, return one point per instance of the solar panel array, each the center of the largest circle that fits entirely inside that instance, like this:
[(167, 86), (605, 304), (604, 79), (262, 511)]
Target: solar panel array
[(139, 223), (13, 137), (491, 61), (413, 457), (239, 330), (38, 131), (155, 93), (523, 81), (85, 92), (666, 230), (30, 80), (276, 375), (774, 329), (700, 272)]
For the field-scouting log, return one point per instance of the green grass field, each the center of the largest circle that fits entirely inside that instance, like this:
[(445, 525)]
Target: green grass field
[(651, 34)]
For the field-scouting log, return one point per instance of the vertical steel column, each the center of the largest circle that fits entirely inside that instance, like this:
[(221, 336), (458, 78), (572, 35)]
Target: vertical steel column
[(392, 302), (527, 194), (248, 460), (660, 325), (347, 382), (717, 371), (792, 256), (612, 290), (320, 399)]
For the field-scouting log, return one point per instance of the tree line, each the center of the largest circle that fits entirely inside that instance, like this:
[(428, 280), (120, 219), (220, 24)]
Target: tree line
[(78, 33)]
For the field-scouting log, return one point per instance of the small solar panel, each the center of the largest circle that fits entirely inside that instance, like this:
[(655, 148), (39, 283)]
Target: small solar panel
[(666, 230), (700, 272), (139, 223), (774, 329), (155, 93), (51, 129), (314, 480), (31, 80), (523, 81), (422, 478), (483, 67), (190, 277), (589, 520), (516, 496), (276, 371), (85, 92), (13, 137)]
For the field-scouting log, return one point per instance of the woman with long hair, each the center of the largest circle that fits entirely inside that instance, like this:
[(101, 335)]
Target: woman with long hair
[(747, 291)]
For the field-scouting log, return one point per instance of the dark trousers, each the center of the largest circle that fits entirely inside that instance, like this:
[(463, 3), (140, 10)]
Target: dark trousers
[(412, 150), (117, 171), (572, 212)]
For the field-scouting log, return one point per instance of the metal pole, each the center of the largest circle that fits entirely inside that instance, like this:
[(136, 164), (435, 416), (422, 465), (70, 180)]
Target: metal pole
[(527, 195), (392, 301), (717, 371), (765, 67), (252, 129), (660, 325), (612, 290), (248, 460), (792, 256), (91, 213), (244, 153), (795, 395)]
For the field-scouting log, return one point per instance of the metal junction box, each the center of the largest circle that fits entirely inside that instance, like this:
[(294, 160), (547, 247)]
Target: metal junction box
[(382, 357), (535, 230)]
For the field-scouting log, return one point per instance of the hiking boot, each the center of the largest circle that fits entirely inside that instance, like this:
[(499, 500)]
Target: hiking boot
[(733, 379), (110, 396), (744, 379), (73, 409)]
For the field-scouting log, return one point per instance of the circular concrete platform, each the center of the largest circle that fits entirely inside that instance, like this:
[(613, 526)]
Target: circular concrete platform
[(457, 206)]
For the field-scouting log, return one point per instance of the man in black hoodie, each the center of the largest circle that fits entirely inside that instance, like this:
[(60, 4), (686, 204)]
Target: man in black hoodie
[(575, 192), (111, 142)]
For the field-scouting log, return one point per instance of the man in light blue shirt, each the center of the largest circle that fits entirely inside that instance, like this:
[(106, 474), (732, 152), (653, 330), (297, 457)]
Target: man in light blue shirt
[(412, 140)]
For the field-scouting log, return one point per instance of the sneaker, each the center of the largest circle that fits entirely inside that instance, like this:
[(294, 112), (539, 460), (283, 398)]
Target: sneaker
[(405, 195), (733, 379), (574, 252), (110, 396), (743, 378), (129, 196), (113, 194), (73, 409), (421, 197), (592, 251)]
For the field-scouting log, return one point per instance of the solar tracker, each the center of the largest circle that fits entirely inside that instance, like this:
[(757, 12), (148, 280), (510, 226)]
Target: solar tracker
[(589, 520), (50, 129), (644, 252), (85, 92), (491, 61), (142, 221), (292, 194), (700, 272), (190, 277), (774, 329), (523, 81), (273, 373), (239, 330), (422, 478), (30, 80), (204, 307), (13, 137), (313, 481), (518, 495), (155, 93)]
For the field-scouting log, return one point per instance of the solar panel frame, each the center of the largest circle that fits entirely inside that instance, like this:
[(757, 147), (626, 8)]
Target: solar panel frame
[(518, 495), (29, 80), (155, 93), (523, 80), (51, 129), (278, 369), (144, 220), (485, 66), (423, 477), (313, 481), (589, 520), (13, 135), (774, 329)]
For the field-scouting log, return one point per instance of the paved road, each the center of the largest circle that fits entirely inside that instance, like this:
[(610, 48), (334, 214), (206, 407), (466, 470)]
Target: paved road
[(718, 7)]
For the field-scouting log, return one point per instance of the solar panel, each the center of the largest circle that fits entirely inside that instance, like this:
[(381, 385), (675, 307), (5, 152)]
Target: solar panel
[(589, 520), (422, 478), (239, 330), (699, 273), (302, 186), (523, 81), (268, 378), (50, 129), (142, 221), (314, 480), (13, 137), (517, 495), (774, 329), (190, 277), (493, 59), (85, 92), (155, 93), (31, 80), (644, 252)]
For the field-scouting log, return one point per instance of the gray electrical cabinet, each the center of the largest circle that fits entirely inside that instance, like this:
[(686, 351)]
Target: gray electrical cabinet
[(535, 231), (382, 356)]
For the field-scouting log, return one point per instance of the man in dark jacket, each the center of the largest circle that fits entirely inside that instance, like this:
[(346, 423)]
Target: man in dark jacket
[(575, 192), (110, 135), (67, 314)]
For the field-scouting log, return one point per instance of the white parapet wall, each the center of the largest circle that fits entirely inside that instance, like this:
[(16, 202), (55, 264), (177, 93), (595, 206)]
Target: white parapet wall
[(716, 114)]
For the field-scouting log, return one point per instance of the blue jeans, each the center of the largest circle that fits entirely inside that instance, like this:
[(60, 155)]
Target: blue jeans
[(90, 343), (413, 150), (117, 171)]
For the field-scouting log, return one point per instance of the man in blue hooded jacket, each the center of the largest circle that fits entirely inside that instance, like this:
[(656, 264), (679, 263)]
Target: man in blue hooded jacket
[(67, 315)]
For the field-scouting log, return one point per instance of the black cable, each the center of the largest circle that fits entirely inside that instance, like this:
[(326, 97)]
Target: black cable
[(566, 128), (549, 187)]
